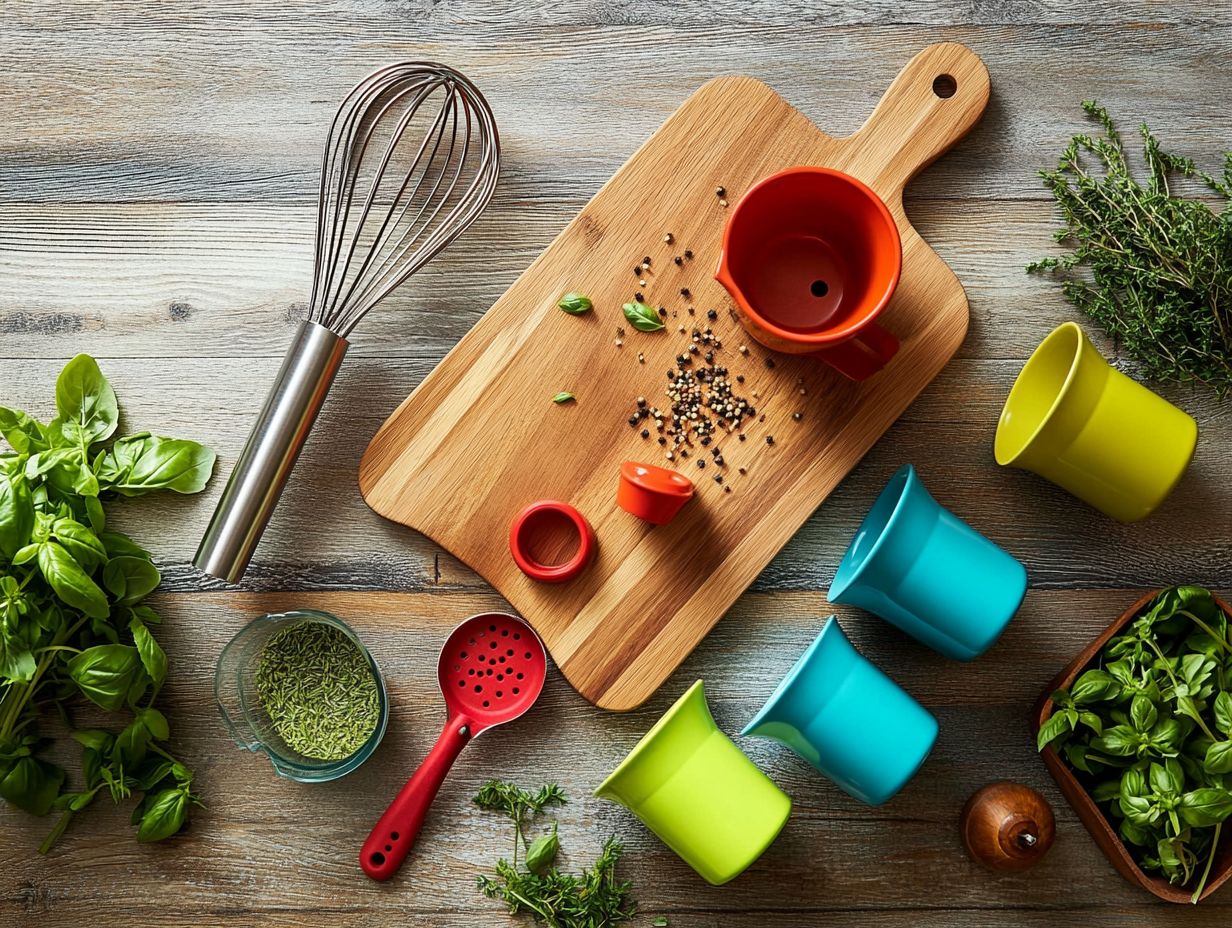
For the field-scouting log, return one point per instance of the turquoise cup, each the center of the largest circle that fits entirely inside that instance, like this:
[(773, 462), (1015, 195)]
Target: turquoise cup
[(922, 568), (839, 712)]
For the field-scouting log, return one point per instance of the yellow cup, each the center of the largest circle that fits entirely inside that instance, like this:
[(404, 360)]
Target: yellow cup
[(1075, 420)]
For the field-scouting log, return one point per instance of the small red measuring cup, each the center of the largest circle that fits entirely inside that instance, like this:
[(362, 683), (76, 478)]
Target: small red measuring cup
[(491, 670)]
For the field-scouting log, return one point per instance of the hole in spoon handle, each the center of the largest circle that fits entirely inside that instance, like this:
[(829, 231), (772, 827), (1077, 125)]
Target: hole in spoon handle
[(396, 830)]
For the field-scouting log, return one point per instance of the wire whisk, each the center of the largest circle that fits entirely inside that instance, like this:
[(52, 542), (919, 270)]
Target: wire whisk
[(428, 185), (411, 160)]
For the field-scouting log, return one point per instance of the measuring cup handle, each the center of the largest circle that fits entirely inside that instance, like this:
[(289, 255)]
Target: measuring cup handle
[(935, 100), (860, 357), (395, 832)]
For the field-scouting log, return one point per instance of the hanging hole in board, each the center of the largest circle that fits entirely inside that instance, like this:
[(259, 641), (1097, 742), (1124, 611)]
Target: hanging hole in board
[(393, 836), (945, 86), (378, 858)]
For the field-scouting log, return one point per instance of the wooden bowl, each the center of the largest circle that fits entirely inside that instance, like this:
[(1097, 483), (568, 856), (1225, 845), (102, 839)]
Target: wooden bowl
[(1096, 822)]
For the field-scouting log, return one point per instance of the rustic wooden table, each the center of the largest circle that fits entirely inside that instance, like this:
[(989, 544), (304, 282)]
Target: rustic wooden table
[(157, 182)]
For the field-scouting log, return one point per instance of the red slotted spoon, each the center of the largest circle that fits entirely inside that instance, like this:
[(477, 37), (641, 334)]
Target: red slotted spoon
[(491, 670)]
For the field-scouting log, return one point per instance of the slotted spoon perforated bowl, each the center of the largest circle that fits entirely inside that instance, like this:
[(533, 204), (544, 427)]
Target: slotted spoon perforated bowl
[(491, 670)]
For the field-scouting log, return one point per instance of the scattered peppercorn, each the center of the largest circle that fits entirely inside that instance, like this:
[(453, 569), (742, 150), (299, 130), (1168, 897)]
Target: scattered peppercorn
[(743, 437), (688, 253), (720, 191), (711, 315), (678, 259), (637, 297), (770, 363), (684, 292), (743, 470), (668, 238), (663, 312), (718, 478), (701, 462), (726, 489), (645, 433), (769, 439), (740, 378)]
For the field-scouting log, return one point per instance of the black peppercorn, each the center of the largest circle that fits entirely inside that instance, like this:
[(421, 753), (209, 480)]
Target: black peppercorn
[(770, 362), (711, 314), (769, 439), (645, 433), (688, 253), (701, 462)]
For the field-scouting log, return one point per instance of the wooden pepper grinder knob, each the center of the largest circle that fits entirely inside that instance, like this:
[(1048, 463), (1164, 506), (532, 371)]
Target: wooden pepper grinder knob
[(1007, 826)]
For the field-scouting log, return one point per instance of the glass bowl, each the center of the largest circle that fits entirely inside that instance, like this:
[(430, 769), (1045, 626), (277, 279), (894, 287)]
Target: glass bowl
[(235, 690)]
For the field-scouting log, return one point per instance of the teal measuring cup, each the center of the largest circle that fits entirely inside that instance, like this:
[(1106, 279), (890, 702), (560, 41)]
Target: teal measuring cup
[(923, 569), (854, 724)]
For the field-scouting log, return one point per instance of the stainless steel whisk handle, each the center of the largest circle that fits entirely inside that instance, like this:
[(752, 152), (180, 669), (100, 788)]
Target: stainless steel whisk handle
[(270, 453)]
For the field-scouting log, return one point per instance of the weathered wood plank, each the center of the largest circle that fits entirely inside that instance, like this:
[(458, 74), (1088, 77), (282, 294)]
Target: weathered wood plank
[(265, 845), (113, 109), (210, 281)]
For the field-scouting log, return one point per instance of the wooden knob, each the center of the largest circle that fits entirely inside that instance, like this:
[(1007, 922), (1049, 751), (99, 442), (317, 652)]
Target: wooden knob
[(1007, 826)]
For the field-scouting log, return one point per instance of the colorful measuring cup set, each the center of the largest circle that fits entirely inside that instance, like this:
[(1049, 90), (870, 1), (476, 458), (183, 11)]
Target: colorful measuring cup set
[(913, 563)]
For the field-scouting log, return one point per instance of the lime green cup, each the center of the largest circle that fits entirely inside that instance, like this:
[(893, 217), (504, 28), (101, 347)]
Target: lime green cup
[(1075, 420), (691, 785)]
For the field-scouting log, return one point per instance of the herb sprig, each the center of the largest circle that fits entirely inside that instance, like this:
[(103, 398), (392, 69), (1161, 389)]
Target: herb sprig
[(595, 898), (1149, 730), (1160, 265), (72, 620)]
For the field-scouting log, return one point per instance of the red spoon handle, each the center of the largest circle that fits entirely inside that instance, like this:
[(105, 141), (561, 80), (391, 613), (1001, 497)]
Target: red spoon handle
[(395, 832)]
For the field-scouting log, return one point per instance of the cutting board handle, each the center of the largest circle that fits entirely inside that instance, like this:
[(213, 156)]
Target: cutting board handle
[(935, 100)]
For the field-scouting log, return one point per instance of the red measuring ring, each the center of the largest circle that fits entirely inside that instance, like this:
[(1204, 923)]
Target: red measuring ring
[(534, 519)]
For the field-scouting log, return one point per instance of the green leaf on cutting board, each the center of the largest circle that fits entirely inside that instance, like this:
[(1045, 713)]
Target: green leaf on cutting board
[(642, 317)]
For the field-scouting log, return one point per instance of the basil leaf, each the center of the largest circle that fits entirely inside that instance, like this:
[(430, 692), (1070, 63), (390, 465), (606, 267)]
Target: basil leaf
[(140, 463), (120, 545), (1208, 806), (32, 785), (130, 579), (106, 673), (1143, 714), (1223, 712), (163, 816), (16, 514), (72, 584), (1056, 726), (1218, 758), (86, 402), (156, 724), (563, 397), (153, 658), (94, 513), (1119, 741), (1095, 686), (24, 434), (94, 738), (574, 304), (81, 542), (131, 746), (542, 852), (642, 317)]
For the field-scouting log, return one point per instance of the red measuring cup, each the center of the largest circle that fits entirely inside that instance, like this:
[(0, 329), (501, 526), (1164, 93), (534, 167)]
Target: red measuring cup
[(491, 670)]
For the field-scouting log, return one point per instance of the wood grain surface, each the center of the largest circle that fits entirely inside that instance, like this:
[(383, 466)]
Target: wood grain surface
[(478, 441), (157, 184)]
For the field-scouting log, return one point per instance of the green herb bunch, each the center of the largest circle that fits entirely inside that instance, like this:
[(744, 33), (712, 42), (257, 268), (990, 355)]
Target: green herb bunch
[(593, 899), (1149, 731), (72, 621), (1160, 265)]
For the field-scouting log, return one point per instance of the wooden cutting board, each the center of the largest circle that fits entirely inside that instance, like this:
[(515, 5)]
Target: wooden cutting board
[(481, 438)]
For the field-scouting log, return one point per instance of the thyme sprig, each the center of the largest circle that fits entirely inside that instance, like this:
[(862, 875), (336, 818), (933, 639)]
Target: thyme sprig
[(595, 898), (1159, 265)]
